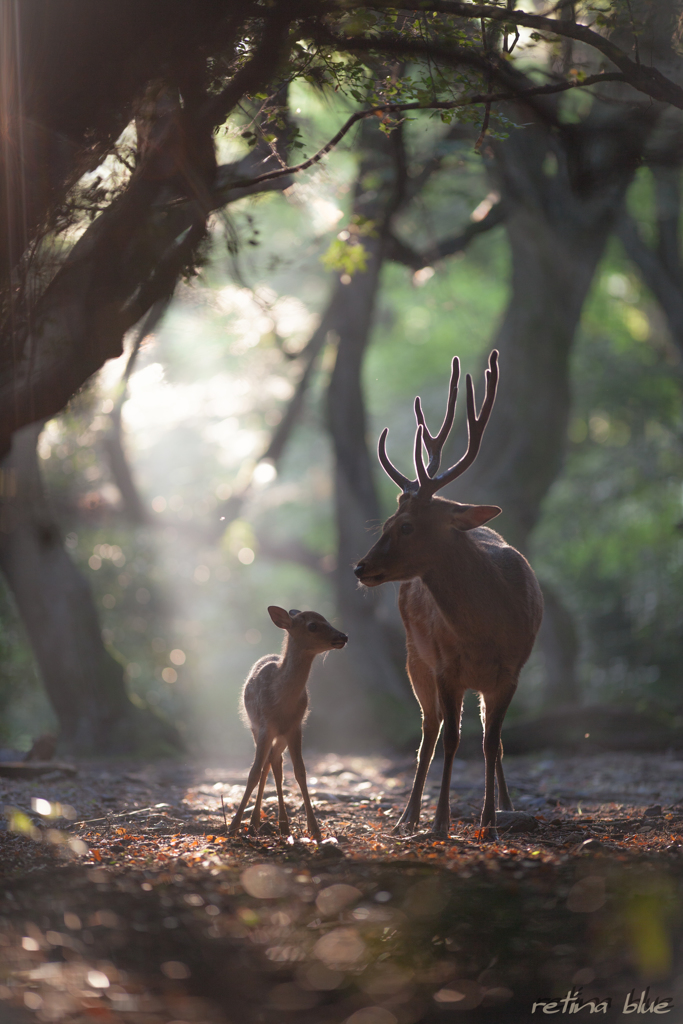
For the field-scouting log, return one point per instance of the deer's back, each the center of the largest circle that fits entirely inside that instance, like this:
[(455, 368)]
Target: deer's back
[(480, 607), (263, 699)]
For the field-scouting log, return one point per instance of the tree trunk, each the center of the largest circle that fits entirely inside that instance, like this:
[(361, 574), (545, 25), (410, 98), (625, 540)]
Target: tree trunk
[(562, 197), (373, 662), (84, 683)]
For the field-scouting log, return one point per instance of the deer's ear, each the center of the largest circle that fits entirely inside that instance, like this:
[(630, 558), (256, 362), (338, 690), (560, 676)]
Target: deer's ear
[(294, 611), (280, 617), (468, 517)]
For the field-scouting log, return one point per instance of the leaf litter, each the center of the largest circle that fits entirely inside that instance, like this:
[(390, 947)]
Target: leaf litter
[(123, 899)]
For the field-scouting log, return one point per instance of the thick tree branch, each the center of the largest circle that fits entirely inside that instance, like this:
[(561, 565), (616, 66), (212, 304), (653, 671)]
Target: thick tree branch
[(127, 260)]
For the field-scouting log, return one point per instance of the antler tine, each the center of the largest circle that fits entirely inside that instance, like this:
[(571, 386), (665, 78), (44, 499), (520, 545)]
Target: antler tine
[(434, 445), (402, 481), (476, 426), (422, 474)]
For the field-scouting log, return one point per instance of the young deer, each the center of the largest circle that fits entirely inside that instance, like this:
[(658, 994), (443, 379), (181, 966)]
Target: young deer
[(470, 603), (275, 701)]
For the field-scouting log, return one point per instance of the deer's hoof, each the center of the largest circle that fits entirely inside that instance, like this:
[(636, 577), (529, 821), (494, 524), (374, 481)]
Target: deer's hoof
[(284, 828), (404, 828), (488, 834)]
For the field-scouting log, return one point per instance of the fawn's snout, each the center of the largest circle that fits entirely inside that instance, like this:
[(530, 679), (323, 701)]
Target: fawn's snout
[(309, 630)]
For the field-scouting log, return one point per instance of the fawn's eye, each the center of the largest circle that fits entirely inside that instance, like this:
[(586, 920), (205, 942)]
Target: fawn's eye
[(407, 527), (312, 627)]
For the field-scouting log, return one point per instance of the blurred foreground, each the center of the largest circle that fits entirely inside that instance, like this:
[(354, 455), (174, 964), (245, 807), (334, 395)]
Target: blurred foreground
[(125, 901)]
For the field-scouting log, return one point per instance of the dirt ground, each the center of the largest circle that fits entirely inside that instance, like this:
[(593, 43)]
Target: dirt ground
[(123, 900)]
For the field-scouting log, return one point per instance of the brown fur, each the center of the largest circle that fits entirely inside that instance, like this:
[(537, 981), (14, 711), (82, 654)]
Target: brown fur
[(471, 605), (275, 704)]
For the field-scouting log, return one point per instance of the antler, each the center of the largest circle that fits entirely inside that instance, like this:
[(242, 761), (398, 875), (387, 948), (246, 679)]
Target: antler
[(434, 445), (406, 485), (427, 483)]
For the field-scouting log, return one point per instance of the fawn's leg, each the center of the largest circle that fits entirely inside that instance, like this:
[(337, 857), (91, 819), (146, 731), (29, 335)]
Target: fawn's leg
[(494, 706), (450, 700), (504, 801), (255, 819), (294, 744), (422, 679), (263, 746), (276, 765)]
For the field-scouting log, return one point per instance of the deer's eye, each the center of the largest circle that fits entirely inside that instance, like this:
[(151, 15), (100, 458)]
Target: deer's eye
[(407, 527), (312, 627)]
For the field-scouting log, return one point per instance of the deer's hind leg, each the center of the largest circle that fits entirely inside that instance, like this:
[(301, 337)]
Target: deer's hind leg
[(276, 765), (493, 707), (504, 801), (424, 685), (294, 744), (263, 745)]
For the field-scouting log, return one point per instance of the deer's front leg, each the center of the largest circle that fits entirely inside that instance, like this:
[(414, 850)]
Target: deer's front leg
[(422, 679), (294, 744), (263, 746), (451, 708)]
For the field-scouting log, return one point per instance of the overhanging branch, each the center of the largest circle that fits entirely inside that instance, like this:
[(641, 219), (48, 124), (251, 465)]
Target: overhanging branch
[(399, 252), (645, 79), (400, 108)]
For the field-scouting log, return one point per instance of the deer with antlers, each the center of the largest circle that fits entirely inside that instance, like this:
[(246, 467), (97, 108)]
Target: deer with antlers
[(470, 603)]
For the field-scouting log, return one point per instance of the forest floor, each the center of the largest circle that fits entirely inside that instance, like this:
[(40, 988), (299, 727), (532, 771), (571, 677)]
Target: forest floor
[(123, 900)]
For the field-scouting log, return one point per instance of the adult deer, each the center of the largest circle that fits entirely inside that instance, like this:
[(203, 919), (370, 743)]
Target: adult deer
[(470, 603)]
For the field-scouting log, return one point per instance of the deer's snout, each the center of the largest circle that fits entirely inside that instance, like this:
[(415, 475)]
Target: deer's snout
[(340, 640), (368, 579)]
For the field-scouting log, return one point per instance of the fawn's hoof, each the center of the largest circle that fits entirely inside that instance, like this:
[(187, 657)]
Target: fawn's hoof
[(488, 834), (267, 829), (284, 828)]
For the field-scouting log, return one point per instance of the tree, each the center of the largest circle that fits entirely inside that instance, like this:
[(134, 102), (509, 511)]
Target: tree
[(84, 682), (184, 77), (76, 80)]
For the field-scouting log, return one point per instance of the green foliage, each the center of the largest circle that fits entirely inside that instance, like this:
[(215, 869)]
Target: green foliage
[(348, 257)]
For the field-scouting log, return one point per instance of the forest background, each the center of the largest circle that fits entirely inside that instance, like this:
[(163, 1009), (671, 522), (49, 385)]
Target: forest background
[(224, 462)]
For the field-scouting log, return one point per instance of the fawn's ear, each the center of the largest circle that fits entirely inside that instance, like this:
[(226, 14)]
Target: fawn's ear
[(468, 517), (294, 611), (280, 617)]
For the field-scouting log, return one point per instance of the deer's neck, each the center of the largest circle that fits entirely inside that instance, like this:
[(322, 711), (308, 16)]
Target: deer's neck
[(459, 581), (295, 666)]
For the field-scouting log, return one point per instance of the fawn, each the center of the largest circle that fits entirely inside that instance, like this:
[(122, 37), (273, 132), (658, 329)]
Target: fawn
[(470, 603), (275, 702)]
